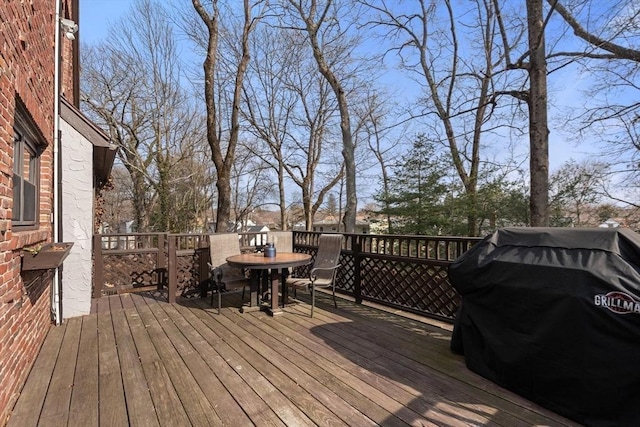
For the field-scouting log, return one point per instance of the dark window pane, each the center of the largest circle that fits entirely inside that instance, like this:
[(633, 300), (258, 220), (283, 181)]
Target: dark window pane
[(26, 164), (29, 202), (26, 167), (16, 198)]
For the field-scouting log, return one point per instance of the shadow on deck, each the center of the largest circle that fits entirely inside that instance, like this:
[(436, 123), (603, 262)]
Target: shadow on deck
[(142, 361)]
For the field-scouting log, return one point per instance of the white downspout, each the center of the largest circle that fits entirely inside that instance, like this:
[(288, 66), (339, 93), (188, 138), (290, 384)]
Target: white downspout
[(56, 310)]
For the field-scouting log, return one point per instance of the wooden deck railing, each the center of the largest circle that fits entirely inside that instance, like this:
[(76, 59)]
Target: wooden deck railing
[(406, 272)]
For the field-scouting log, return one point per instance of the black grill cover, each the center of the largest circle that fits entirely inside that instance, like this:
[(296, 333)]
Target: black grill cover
[(553, 314)]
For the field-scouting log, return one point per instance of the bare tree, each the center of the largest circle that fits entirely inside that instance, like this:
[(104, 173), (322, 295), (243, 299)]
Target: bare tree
[(117, 202), (223, 141), (328, 40), (288, 106), (574, 188), (108, 93), (461, 85), (191, 188), (270, 103), (381, 142), (132, 86), (251, 183), (306, 162), (538, 123), (626, 24), (605, 46)]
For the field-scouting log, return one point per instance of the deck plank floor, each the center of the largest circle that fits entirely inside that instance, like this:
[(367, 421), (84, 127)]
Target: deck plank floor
[(143, 362)]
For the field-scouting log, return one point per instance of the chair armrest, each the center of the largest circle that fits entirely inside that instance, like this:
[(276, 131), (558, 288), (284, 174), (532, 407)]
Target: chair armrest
[(215, 272), (312, 274)]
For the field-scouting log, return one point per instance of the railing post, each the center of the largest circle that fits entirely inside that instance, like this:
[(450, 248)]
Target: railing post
[(98, 265), (203, 264), (357, 256), (172, 270), (161, 261)]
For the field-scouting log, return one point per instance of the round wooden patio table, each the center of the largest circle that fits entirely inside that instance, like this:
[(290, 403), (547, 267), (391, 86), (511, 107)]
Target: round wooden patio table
[(256, 262)]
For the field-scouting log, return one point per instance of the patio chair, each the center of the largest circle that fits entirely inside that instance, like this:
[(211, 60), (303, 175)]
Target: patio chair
[(323, 271), (223, 278)]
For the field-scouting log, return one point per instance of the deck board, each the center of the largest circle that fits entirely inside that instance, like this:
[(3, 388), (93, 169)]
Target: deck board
[(313, 395), (55, 410), (251, 391), (34, 392), (418, 403), (382, 349), (411, 358), (164, 336), (163, 393), (84, 409), (421, 395), (245, 356), (112, 405), (140, 409), (312, 361), (143, 362), (361, 388)]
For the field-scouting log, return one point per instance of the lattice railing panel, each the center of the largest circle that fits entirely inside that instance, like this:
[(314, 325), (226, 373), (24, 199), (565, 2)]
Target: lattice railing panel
[(345, 278), (419, 287), (303, 271), (125, 272), (408, 272), (189, 281)]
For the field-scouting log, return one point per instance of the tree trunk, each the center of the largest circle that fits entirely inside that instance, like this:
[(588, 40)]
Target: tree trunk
[(223, 161), (348, 148), (223, 213), (283, 199), (139, 201), (538, 130)]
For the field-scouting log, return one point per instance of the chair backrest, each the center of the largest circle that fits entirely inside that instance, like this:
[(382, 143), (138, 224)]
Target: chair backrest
[(221, 246), (328, 256), (283, 240)]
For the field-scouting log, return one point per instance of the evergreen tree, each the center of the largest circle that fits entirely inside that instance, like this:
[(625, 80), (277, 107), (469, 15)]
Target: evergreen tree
[(416, 192)]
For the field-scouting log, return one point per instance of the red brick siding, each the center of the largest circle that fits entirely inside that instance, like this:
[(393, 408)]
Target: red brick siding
[(27, 72)]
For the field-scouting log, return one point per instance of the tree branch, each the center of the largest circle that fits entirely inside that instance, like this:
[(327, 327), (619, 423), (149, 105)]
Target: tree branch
[(620, 52)]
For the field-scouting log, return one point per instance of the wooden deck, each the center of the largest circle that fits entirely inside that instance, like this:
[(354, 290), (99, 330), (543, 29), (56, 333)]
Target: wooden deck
[(144, 362)]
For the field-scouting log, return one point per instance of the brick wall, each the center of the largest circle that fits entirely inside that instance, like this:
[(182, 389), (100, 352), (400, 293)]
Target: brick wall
[(27, 73)]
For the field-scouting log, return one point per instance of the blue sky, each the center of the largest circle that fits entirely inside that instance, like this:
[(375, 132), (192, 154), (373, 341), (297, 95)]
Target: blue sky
[(97, 15)]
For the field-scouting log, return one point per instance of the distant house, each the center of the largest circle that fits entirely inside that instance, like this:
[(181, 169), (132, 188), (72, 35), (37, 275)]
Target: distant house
[(331, 224), (610, 223), (244, 226), (256, 229), (52, 161)]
